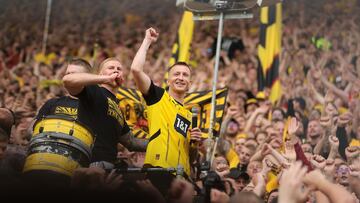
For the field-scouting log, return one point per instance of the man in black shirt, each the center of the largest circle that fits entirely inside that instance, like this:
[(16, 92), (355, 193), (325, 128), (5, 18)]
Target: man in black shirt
[(97, 99), (65, 107)]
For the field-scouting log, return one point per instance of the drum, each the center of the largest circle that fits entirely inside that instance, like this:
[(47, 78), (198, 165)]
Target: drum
[(59, 144)]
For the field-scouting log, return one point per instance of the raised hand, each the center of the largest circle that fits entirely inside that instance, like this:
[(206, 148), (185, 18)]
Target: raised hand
[(313, 178), (276, 143), (355, 170), (352, 152), (266, 149), (266, 166), (151, 35), (334, 142), (344, 119), (326, 122), (290, 189), (329, 97), (318, 162), (271, 164), (293, 126), (329, 168), (290, 153), (260, 179), (232, 111)]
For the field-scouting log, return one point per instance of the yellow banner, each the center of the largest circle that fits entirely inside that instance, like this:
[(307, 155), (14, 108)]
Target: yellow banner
[(181, 48), (133, 108), (269, 50)]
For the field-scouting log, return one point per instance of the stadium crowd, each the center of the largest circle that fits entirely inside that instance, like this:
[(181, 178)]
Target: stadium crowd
[(303, 148)]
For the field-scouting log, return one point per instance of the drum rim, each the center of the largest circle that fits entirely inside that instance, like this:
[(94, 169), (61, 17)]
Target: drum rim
[(67, 118), (84, 160), (78, 144)]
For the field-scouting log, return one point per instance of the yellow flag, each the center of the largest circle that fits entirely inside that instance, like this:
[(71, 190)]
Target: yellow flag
[(133, 107), (269, 50), (202, 100), (181, 48)]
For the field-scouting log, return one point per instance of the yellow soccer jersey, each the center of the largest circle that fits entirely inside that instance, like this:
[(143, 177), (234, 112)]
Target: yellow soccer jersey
[(169, 124)]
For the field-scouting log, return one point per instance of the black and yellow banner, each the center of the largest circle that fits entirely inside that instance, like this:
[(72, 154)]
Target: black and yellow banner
[(269, 50), (181, 48), (202, 100), (133, 107)]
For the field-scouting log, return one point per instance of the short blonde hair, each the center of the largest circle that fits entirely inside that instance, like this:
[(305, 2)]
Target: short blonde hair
[(107, 60), (179, 63)]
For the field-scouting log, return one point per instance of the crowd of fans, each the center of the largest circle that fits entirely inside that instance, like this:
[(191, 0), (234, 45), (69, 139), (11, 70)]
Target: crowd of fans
[(319, 76)]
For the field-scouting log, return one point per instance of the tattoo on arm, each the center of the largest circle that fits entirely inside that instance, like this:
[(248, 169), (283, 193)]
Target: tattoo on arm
[(132, 143)]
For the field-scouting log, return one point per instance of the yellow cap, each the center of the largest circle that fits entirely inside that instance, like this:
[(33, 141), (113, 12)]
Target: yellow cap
[(260, 95)]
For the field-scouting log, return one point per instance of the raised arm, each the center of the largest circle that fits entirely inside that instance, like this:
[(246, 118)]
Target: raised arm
[(311, 86), (75, 82), (262, 110), (340, 93), (327, 124), (142, 80), (334, 192)]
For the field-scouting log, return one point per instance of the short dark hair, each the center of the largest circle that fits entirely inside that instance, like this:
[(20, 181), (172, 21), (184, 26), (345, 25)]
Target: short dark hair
[(281, 111), (179, 63), (301, 102), (81, 62)]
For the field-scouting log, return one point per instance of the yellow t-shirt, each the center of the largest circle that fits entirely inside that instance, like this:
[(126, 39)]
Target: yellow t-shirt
[(169, 137), (233, 158), (354, 143)]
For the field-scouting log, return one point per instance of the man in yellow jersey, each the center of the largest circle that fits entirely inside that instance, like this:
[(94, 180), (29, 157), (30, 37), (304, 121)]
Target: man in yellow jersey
[(169, 121)]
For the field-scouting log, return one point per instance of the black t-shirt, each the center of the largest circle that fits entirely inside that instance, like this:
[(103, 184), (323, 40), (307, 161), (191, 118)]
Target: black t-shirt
[(105, 120), (64, 106), (154, 94)]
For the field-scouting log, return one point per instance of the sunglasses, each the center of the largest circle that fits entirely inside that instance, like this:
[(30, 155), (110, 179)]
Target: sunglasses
[(343, 170)]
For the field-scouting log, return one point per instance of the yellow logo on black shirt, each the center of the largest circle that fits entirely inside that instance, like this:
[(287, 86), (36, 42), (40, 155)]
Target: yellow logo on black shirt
[(114, 111), (66, 111)]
